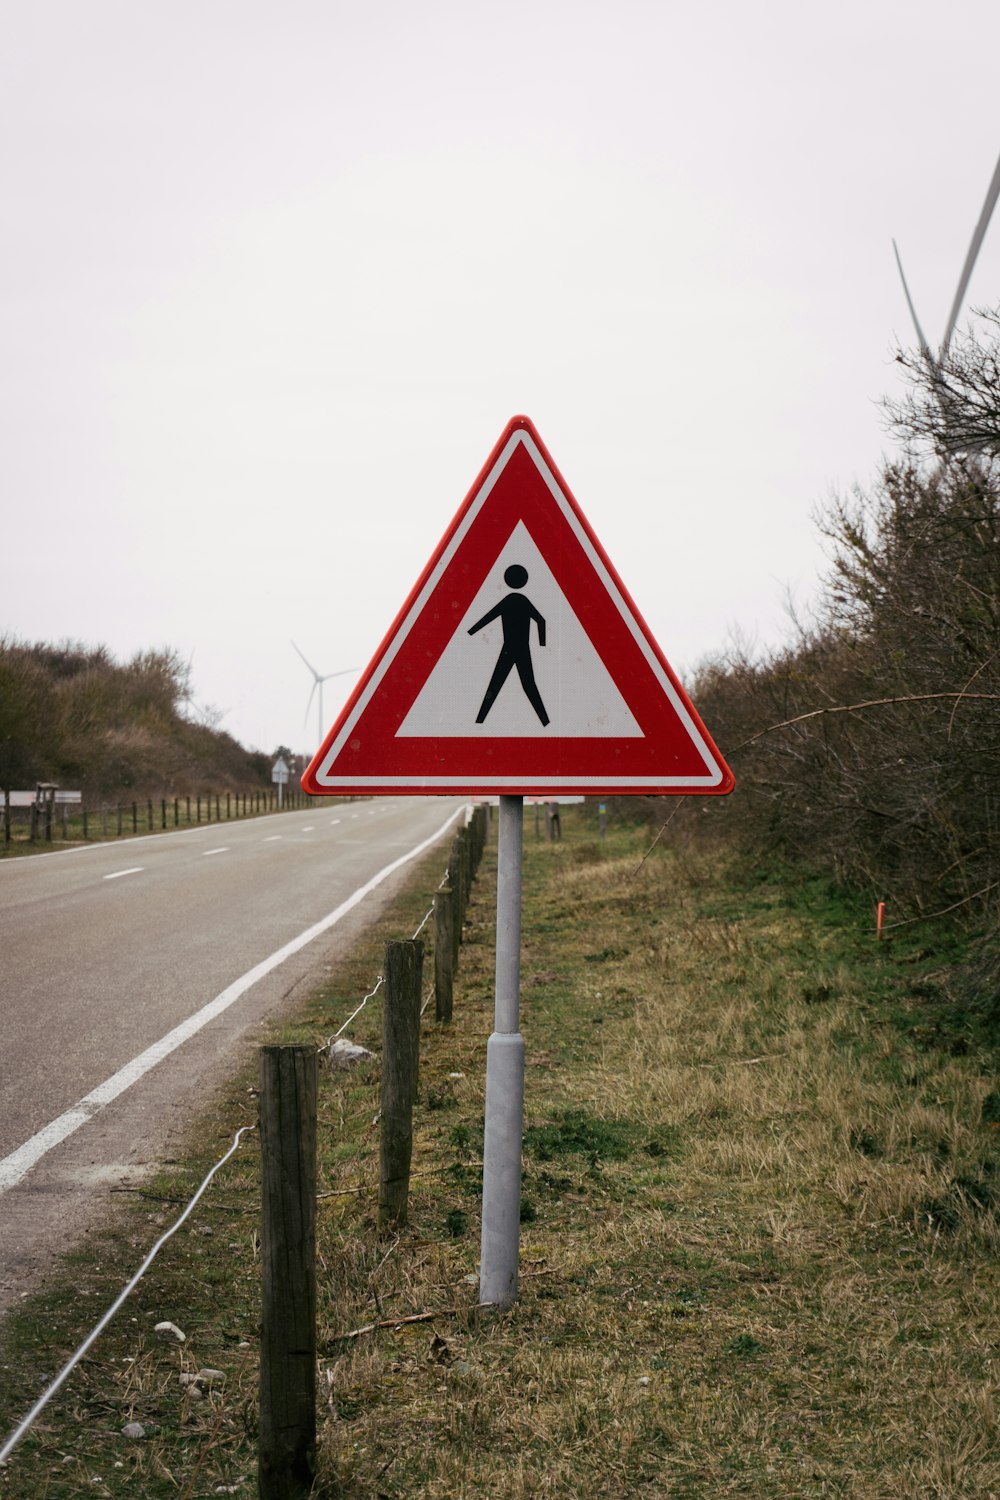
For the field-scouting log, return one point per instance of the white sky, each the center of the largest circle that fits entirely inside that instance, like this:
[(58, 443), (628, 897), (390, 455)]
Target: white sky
[(274, 277)]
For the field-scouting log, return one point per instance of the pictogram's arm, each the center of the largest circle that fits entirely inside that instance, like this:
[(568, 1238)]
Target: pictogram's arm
[(492, 614)]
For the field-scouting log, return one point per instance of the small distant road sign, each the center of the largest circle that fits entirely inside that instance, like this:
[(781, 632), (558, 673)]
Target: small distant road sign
[(279, 774), (519, 664)]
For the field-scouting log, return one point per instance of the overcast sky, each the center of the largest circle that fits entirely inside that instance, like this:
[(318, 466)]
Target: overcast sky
[(274, 277)]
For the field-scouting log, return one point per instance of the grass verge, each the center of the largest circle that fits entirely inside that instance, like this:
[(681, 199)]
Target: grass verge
[(759, 1252)]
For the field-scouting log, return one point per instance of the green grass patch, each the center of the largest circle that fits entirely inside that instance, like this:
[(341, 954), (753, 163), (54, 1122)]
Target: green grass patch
[(759, 1223)]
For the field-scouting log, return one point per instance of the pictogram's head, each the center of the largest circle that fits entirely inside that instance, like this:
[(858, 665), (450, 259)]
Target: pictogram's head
[(515, 577)]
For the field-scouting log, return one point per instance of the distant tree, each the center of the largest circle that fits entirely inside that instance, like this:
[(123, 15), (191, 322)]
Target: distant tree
[(70, 713)]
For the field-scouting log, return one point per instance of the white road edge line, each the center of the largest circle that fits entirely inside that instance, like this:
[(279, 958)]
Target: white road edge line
[(117, 874), (20, 1162), (207, 852)]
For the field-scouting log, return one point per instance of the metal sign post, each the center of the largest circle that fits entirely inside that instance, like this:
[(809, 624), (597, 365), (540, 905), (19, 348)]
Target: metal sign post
[(504, 1078)]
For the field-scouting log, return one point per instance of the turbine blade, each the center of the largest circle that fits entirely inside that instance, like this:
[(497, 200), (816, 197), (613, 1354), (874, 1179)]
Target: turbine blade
[(978, 235), (342, 673), (924, 347), (312, 694), (307, 662)]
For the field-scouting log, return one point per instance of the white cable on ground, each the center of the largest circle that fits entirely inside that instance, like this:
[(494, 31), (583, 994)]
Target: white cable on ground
[(75, 1359)]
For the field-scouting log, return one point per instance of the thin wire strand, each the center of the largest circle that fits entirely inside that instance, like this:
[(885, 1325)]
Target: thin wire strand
[(378, 985), (423, 924), (99, 1328), (380, 981)]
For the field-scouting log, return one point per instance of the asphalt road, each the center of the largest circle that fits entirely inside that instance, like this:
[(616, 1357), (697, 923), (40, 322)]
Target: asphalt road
[(128, 988)]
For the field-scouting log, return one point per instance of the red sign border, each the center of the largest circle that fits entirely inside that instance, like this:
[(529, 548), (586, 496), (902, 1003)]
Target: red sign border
[(318, 780)]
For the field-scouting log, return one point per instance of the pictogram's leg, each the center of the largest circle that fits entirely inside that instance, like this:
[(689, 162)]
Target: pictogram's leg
[(534, 697), (502, 670)]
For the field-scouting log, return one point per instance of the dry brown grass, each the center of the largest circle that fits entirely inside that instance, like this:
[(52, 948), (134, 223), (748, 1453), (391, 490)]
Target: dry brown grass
[(781, 1286), (759, 1254)]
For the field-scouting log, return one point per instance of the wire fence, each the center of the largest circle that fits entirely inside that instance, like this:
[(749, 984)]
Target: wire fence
[(67, 817), (99, 1327), (458, 875)]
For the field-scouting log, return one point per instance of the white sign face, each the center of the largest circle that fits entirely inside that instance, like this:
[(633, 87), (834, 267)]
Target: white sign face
[(576, 689), (279, 771)]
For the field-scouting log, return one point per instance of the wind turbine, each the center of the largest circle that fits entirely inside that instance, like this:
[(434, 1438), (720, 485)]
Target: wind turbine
[(318, 683), (978, 235)]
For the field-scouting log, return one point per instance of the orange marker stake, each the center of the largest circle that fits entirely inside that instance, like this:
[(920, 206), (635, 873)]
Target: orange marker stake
[(880, 918)]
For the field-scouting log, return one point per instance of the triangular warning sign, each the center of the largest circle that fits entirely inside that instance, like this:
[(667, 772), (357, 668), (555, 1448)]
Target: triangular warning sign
[(519, 664)]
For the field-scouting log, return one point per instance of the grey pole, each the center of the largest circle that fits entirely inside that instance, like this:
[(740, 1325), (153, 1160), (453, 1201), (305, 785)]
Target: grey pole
[(504, 1078)]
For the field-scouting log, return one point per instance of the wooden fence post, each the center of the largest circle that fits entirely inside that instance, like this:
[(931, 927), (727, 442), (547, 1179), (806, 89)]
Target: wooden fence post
[(478, 837), (287, 1439), (456, 876), (456, 921), (444, 953), (400, 1068), (83, 810)]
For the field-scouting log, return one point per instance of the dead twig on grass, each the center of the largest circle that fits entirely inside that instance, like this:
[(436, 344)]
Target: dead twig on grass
[(424, 1317), (740, 1062)]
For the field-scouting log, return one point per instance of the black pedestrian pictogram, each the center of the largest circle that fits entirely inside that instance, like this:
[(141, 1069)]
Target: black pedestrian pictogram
[(516, 613)]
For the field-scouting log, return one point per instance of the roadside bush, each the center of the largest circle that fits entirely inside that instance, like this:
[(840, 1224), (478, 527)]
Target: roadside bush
[(70, 713), (869, 745)]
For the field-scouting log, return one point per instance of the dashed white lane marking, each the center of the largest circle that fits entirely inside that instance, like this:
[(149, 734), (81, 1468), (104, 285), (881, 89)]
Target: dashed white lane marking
[(309, 828), (334, 822), (117, 874), (272, 838), (223, 850), (20, 1162)]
